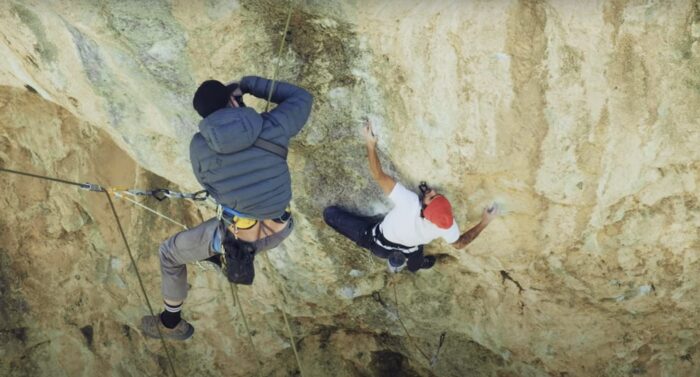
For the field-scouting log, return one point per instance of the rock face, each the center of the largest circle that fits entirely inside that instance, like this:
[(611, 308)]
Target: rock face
[(581, 119)]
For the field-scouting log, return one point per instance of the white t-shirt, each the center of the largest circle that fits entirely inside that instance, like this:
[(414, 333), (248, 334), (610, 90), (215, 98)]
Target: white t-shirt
[(404, 225)]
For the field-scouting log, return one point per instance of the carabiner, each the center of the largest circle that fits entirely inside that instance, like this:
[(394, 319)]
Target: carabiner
[(200, 195), (160, 194)]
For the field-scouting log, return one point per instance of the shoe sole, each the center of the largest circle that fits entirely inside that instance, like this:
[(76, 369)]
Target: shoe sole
[(185, 336)]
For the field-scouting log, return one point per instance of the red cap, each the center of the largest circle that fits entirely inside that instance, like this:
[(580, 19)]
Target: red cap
[(439, 212)]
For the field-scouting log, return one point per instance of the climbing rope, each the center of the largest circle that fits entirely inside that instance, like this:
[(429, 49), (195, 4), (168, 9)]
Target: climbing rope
[(279, 57), (120, 195), (237, 302), (434, 359), (159, 194), (267, 258), (286, 321), (154, 193), (408, 334), (82, 185), (138, 276), (98, 188)]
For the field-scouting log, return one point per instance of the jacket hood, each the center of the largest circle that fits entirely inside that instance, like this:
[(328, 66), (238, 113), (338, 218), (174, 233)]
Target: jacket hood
[(230, 130)]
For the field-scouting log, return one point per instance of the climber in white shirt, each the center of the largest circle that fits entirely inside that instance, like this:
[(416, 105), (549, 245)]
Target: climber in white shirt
[(413, 222)]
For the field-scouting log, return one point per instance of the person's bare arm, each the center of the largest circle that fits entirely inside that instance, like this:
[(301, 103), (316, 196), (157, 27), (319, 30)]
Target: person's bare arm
[(375, 167), (467, 237)]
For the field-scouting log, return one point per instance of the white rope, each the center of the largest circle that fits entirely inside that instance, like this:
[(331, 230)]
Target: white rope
[(119, 195)]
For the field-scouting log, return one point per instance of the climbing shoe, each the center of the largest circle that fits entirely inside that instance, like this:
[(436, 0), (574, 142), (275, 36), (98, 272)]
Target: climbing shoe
[(428, 262), (151, 323), (396, 261)]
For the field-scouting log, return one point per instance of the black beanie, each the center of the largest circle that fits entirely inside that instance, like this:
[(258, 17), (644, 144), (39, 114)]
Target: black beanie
[(211, 95)]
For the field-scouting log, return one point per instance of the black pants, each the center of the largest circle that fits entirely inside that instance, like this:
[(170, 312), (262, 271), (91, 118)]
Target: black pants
[(359, 229)]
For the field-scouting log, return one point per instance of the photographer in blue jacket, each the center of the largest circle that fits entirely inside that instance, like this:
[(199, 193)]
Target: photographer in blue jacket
[(239, 157)]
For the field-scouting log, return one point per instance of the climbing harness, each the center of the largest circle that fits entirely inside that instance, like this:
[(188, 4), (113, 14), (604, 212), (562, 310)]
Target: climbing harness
[(234, 218), (382, 242), (241, 222), (244, 223), (81, 185)]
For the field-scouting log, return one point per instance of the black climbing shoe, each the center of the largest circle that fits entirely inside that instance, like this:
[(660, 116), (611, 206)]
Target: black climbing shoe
[(428, 262), (151, 323)]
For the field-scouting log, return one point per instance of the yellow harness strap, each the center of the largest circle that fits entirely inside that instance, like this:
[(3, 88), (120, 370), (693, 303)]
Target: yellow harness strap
[(244, 223)]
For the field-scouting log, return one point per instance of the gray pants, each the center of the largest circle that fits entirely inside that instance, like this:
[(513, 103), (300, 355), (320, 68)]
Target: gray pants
[(194, 245)]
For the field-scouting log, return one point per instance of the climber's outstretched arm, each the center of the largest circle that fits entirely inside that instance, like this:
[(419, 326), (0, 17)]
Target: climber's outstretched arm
[(375, 167), (467, 237)]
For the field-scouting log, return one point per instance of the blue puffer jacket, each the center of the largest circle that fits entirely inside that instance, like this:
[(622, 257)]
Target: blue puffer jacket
[(237, 174)]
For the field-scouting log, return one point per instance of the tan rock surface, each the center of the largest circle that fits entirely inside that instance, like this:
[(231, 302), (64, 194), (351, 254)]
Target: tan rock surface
[(581, 119)]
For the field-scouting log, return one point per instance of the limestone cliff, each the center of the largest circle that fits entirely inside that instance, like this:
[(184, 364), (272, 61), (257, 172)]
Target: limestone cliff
[(581, 119)]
